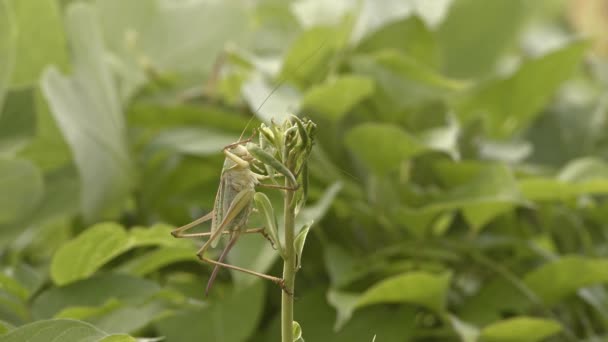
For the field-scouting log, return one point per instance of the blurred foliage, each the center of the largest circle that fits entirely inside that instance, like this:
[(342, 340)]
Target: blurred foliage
[(458, 184)]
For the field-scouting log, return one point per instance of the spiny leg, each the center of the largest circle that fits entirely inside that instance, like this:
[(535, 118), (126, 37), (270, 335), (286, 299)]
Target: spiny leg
[(276, 280)]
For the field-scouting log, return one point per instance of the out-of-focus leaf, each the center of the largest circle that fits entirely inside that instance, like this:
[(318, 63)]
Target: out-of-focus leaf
[(383, 155), (580, 176), (157, 259), (316, 316), (467, 332), (39, 25), (119, 338), (410, 36), (65, 330), (481, 190), (21, 186), (88, 111), (48, 148), (170, 35), (82, 256), (311, 13), (8, 36), (192, 141), (473, 50), (584, 170), (403, 79), (267, 104), (509, 104), (308, 57), (94, 292), (520, 329), (375, 15), (84, 312), (5, 327), (337, 97), (215, 322), (422, 288), (17, 121), (554, 281)]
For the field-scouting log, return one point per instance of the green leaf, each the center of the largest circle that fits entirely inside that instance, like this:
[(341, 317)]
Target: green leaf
[(297, 332), (421, 288), (467, 332), (152, 261), (39, 24), (410, 36), (82, 256), (17, 121), (270, 219), (5, 327), (382, 155), (119, 338), (192, 141), (94, 292), (404, 81), (579, 177), (555, 280), (267, 103), (509, 104), (520, 329), (8, 37), (63, 330), (338, 96), (481, 190), (84, 312), (307, 58), (299, 244), (21, 186), (474, 50), (88, 111), (389, 323), (215, 322)]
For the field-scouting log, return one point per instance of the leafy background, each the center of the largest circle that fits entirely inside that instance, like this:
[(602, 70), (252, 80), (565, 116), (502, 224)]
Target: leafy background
[(458, 184)]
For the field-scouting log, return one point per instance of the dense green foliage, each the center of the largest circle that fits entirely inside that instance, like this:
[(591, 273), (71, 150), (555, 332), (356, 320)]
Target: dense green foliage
[(458, 183)]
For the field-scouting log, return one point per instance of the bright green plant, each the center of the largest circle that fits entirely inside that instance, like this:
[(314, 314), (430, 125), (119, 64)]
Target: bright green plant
[(457, 185)]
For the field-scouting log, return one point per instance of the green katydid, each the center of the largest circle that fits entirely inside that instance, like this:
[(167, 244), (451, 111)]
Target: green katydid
[(234, 203)]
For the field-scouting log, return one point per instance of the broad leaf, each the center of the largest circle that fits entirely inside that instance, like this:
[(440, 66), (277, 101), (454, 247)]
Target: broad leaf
[(21, 186), (520, 329), (383, 155), (88, 111), (422, 288), (337, 97), (39, 24), (96, 291), (558, 279), (509, 104), (63, 330), (8, 35)]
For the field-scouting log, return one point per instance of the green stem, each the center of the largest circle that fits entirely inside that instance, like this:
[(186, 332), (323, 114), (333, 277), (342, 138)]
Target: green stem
[(289, 266)]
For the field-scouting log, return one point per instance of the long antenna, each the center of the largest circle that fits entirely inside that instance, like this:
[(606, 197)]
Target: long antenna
[(281, 82)]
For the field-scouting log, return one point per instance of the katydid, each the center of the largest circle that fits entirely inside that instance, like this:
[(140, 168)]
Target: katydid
[(232, 207)]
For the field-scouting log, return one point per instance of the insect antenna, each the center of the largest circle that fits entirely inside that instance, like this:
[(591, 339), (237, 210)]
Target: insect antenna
[(280, 83)]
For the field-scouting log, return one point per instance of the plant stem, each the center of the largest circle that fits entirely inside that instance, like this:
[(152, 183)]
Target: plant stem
[(289, 266)]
